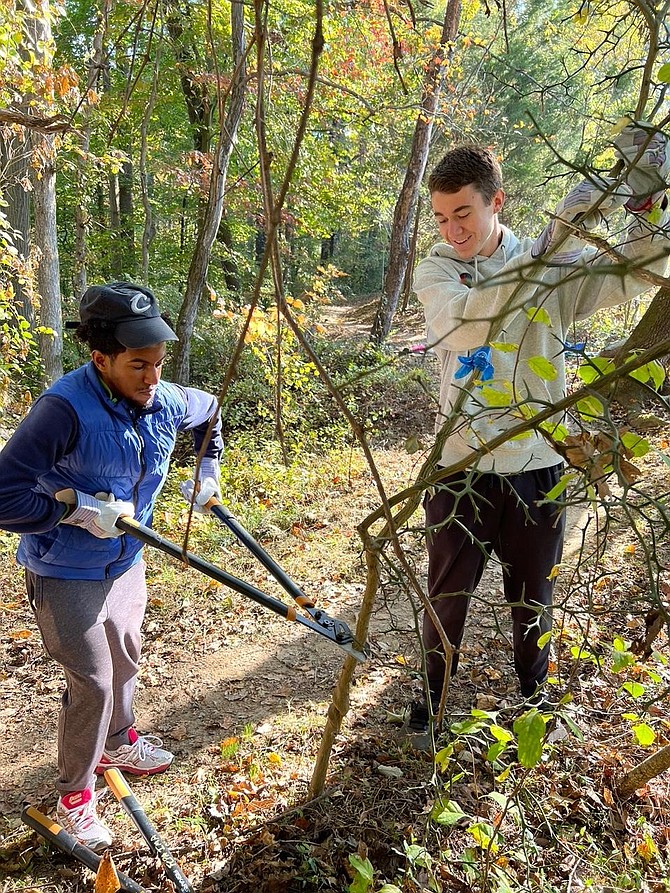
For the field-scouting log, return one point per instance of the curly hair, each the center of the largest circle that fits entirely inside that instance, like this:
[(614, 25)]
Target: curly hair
[(467, 165), (98, 334)]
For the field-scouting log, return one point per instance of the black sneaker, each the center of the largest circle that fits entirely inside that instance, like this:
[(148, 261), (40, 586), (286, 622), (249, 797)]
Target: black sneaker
[(416, 729), (419, 719), (541, 700)]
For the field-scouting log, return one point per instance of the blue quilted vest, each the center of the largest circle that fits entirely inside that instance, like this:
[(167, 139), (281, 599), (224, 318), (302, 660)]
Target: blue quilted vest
[(121, 450)]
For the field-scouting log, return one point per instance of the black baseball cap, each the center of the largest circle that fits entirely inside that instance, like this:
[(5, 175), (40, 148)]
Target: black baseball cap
[(132, 311)]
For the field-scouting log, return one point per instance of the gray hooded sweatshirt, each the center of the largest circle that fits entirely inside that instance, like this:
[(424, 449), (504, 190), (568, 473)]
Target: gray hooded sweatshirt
[(523, 309)]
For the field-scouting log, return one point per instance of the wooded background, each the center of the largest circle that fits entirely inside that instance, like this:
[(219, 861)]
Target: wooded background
[(196, 147)]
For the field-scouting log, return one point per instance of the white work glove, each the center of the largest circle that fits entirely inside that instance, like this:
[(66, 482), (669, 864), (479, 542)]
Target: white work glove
[(578, 204), (207, 486), (647, 170), (98, 514)]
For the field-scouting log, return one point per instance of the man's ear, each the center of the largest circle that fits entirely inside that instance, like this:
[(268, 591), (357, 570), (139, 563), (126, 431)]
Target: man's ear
[(99, 360), (498, 200)]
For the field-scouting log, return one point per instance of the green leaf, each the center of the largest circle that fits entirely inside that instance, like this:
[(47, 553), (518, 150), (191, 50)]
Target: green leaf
[(467, 726), (390, 888), (494, 397), (544, 639), (653, 371), (499, 799), (364, 874), (572, 725), (595, 368), (581, 653), (543, 368), (448, 813), (634, 689), (538, 314), (655, 215), (504, 347), (418, 855), (561, 486), (621, 660), (663, 76), (443, 756), (529, 729), (555, 430), (590, 408), (644, 734), (636, 445), (495, 750), (412, 444), (501, 734), (484, 835)]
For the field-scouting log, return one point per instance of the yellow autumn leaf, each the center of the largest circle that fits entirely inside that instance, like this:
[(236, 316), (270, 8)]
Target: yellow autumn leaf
[(620, 124), (106, 878), (274, 758), (20, 635), (630, 549)]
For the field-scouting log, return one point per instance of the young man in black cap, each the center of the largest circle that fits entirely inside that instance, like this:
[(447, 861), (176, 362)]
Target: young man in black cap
[(97, 445)]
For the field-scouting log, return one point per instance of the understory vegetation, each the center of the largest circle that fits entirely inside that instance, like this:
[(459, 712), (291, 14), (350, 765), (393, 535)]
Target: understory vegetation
[(511, 800)]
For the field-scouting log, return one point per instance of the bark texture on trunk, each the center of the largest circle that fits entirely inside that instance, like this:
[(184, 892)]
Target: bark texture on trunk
[(211, 219), (405, 209)]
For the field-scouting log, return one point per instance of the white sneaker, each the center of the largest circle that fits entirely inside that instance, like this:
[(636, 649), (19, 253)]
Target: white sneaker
[(76, 813), (143, 756)]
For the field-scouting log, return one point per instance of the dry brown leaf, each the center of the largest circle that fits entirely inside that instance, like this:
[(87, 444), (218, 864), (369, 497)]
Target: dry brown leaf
[(106, 878), (578, 449), (628, 472)]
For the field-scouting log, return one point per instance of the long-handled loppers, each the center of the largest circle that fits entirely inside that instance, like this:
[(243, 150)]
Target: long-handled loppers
[(339, 630), (157, 845), (59, 837), (336, 631)]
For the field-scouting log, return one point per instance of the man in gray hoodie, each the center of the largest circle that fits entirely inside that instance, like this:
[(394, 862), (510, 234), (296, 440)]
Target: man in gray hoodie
[(498, 312)]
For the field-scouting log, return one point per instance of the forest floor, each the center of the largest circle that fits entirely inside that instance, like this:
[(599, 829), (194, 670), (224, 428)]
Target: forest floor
[(241, 698)]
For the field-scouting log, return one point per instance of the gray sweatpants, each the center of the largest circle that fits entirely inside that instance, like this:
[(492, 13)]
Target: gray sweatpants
[(92, 628)]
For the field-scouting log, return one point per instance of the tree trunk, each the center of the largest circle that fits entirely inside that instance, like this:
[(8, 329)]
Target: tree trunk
[(14, 164), (209, 226), (230, 268), (127, 221), (46, 237), (115, 261), (328, 248), (15, 154), (407, 200), (82, 215), (654, 325), (651, 329), (648, 769)]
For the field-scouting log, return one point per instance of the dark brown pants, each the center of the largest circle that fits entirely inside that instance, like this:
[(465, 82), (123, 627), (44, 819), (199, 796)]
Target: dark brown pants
[(468, 519)]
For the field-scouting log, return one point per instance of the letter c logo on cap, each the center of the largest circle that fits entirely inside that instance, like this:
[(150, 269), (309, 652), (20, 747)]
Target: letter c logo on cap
[(140, 303)]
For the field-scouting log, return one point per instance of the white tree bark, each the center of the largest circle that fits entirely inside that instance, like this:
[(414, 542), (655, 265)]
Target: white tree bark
[(45, 233)]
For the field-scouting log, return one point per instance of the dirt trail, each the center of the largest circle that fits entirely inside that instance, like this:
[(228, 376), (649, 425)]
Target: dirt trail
[(229, 669)]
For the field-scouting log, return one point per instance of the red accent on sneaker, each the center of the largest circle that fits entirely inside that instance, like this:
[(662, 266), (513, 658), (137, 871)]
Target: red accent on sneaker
[(132, 736), (76, 798)]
